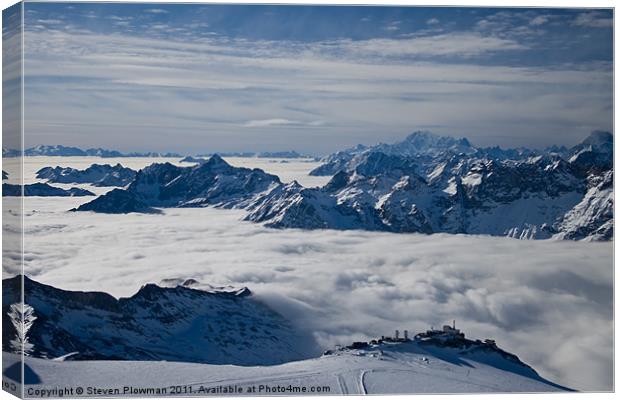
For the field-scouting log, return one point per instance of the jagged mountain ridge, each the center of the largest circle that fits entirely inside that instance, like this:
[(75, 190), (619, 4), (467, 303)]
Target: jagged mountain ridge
[(213, 182), (43, 190), (489, 185), (96, 175), (428, 150), (535, 197), (69, 151), (185, 322)]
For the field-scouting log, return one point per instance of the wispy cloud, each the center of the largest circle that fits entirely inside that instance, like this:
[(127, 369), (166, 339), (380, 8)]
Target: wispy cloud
[(50, 21), (260, 123), (156, 11), (361, 87), (271, 122), (458, 44), (182, 77), (539, 20), (594, 19), (393, 26)]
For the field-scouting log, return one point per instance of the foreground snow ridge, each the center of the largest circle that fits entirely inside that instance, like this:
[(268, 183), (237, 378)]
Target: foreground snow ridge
[(93, 340), (187, 322)]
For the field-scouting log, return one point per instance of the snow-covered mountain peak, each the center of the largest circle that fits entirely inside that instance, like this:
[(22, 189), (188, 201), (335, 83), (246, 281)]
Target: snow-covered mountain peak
[(215, 162), (205, 287), (426, 143), (426, 139), (599, 139)]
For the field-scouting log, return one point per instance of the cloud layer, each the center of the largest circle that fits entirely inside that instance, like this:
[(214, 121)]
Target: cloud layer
[(549, 302)]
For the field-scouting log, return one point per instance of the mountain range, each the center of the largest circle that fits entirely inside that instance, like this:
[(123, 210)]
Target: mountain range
[(213, 182), (174, 321), (42, 190), (429, 183), (96, 175), (68, 151), (223, 336), (425, 184)]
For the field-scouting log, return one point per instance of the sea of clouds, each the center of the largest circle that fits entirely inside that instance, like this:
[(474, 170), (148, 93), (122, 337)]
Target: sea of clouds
[(549, 302)]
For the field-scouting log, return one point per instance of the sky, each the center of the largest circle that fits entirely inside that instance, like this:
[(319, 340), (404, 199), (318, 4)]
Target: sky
[(195, 78)]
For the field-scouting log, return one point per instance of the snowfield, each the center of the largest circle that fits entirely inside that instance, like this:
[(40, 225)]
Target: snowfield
[(549, 302), (385, 369)]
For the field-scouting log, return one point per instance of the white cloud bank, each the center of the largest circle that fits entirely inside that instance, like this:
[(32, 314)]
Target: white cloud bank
[(549, 302)]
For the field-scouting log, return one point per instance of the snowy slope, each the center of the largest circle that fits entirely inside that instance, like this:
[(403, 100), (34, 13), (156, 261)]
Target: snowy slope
[(186, 322), (396, 368), (182, 329), (592, 217)]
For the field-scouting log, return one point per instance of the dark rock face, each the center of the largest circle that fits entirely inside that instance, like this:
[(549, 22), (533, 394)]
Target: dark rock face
[(214, 182), (42, 189), (117, 201), (96, 174), (174, 324), (190, 159)]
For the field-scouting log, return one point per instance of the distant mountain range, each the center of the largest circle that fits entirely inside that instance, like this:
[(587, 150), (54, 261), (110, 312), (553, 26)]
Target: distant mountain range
[(426, 149), (96, 175), (262, 154), (425, 184), (42, 190), (67, 151)]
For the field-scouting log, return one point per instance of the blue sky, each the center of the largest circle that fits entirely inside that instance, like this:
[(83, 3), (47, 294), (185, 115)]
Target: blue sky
[(199, 78)]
